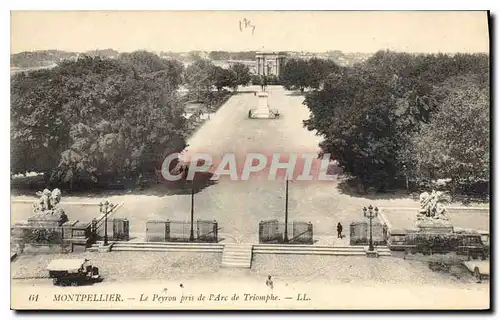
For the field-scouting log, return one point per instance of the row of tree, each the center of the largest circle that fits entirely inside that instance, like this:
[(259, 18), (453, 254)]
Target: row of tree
[(301, 74), (94, 118), (400, 117), (202, 75)]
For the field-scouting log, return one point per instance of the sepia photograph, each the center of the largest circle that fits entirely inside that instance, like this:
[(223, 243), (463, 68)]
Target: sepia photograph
[(250, 160)]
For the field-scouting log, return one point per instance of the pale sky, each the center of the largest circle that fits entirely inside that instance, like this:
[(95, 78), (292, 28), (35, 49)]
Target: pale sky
[(316, 31)]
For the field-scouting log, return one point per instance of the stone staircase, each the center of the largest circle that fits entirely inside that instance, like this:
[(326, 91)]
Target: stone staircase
[(240, 255), (317, 250), (161, 246), (237, 256)]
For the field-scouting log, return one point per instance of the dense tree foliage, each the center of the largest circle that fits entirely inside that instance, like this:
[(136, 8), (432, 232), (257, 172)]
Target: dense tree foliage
[(295, 74), (455, 144), (223, 78), (199, 77), (93, 117), (301, 74), (242, 72), (399, 115)]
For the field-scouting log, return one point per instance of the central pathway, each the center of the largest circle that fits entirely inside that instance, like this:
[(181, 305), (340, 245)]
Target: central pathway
[(238, 206)]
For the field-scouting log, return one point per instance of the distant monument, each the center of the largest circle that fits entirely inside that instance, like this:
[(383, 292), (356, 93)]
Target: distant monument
[(433, 215), (270, 63)]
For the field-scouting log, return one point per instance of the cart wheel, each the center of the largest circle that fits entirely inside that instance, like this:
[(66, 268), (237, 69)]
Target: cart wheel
[(74, 283), (477, 274), (63, 283), (54, 281)]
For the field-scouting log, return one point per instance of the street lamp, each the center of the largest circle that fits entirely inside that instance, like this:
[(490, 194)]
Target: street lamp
[(406, 175), (285, 239), (370, 214), (191, 236), (103, 208)]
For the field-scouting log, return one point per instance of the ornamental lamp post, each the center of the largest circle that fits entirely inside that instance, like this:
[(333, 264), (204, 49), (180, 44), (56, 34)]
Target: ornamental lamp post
[(285, 238), (103, 208), (370, 213), (191, 235), (405, 170)]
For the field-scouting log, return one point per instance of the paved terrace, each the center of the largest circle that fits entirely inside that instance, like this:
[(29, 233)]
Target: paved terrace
[(238, 206)]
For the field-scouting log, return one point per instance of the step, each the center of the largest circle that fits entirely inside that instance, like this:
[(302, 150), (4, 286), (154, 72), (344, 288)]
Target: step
[(165, 246), (236, 265), (316, 248), (304, 245), (158, 243), (226, 256), (334, 253), (165, 249), (239, 250), (236, 255), (235, 260)]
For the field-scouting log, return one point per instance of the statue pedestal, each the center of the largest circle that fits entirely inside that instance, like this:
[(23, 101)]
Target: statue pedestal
[(261, 114), (434, 226), (262, 111), (48, 219)]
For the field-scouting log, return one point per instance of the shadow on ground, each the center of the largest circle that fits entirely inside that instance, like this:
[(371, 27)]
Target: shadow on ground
[(244, 91), (295, 93), (352, 188), (161, 188)]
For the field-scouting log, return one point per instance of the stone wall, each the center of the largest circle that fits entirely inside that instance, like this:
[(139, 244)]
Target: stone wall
[(38, 239)]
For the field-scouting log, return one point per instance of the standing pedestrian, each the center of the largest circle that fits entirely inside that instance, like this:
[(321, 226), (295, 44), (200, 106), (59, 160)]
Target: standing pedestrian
[(269, 282), (339, 230)]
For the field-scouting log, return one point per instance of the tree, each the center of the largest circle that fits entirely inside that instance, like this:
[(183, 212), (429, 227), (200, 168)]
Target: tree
[(354, 113), (221, 78), (455, 144), (199, 77), (370, 115), (242, 72), (144, 62), (95, 117), (295, 74), (39, 132), (319, 70)]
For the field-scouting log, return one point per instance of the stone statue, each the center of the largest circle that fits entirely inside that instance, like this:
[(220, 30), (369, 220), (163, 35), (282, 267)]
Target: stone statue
[(48, 200), (431, 206), (46, 207)]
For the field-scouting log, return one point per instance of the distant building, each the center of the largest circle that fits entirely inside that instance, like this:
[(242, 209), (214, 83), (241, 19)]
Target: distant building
[(270, 63)]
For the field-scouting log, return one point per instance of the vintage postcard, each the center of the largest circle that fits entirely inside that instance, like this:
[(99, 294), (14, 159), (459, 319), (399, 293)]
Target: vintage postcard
[(257, 160)]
